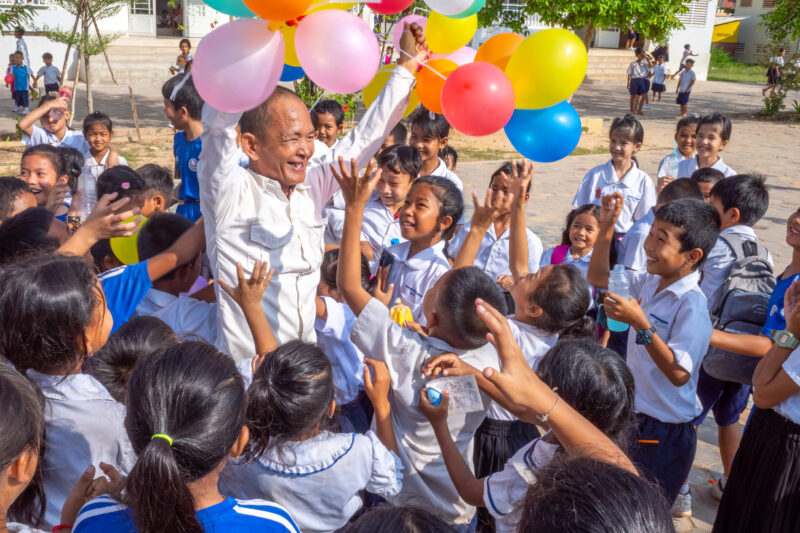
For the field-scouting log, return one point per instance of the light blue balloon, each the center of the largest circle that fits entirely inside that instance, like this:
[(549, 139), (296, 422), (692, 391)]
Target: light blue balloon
[(291, 73), (476, 6), (545, 135), (235, 8)]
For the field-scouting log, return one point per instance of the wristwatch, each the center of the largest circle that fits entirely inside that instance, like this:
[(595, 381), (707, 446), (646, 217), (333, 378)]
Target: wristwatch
[(784, 339), (645, 337)]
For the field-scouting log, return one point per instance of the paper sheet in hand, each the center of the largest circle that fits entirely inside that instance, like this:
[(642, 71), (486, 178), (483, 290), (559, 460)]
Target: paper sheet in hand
[(465, 395)]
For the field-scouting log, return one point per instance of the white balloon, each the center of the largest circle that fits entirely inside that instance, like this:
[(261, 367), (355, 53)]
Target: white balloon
[(450, 8)]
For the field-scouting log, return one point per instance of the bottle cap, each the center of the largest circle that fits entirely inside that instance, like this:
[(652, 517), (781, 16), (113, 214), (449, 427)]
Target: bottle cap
[(395, 241)]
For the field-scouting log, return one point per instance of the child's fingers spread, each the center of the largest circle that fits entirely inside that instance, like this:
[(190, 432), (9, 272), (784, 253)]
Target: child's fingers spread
[(269, 276), (240, 273), (225, 287)]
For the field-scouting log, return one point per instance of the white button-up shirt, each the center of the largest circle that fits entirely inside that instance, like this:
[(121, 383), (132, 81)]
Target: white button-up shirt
[(492, 256), (249, 218), (662, 166), (631, 248), (413, 276), (185, 315), (636, 187), (72, 138), (680, 316), (347, 363), (687, 167), (91, 166), (379, 228), (84, 426), (443, 172)]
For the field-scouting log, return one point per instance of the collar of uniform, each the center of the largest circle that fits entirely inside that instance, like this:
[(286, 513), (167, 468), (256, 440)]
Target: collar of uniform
[(160, 298), (376, 203), (685, 284), (272, 185), (442, 346), (529, 328), (739, 229), (70, 387), (90, 161), (422, 259), (310, 456)]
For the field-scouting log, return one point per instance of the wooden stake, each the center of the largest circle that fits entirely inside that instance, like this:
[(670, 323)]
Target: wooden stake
[(75, 89), (135, 115), (105, 53), (66, 55)]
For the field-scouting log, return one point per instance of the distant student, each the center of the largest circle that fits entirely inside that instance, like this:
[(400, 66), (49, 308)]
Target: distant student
[(98, 131), (669, 332), (621, 173), (430, 134), (706, 178), (774, 72), (713, 136), (685, 135), (638, 72), (183, 107), (159, 186), (450, 157), (659, 78), (22, 73), (15, 197), (398, 135), (9, 77), (53, 115), (52, 76), (22, 48), (183, 59), (687, 53), (328, 119), (684, 89)]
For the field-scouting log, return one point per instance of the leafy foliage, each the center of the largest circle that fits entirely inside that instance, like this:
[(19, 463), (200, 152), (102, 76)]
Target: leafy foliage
[(99, 8), (783, 22), (310, 93), (15, 15), (86, 46)]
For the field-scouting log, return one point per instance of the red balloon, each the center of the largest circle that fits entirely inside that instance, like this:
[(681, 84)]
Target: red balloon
[(389, 7), (478, 99)]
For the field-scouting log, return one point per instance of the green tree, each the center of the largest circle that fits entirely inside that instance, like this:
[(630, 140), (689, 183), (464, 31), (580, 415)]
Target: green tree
[(15, 15), (783, 22)]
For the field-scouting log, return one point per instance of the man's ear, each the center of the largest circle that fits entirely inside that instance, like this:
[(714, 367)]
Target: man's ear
[(249, 144)]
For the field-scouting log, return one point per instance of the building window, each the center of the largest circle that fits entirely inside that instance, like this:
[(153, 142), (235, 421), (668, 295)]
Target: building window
[(697, 14), (746, 3), (141, 7), (768, 3)]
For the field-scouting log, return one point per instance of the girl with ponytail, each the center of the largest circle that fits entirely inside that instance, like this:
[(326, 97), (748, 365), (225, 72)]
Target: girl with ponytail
[(185, 418)]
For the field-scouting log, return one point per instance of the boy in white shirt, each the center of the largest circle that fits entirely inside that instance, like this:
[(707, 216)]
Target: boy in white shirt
[(52, 76), (684, 89), (687, 53), (638, 72), (53, 116), (713, 136), (669, 334), (659, 78)]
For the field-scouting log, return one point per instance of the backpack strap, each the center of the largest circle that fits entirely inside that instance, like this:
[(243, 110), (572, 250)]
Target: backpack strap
[(736, 244), (559, 254)]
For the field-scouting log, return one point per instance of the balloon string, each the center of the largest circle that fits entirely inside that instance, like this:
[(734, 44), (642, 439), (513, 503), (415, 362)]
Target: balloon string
[(425, 65), (317, 101), (179, 86)]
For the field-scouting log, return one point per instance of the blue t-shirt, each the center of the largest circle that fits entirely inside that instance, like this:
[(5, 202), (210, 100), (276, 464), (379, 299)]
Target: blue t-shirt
[(125, 288), (187, 154), (21, 77), (776, 321), (105, 515)]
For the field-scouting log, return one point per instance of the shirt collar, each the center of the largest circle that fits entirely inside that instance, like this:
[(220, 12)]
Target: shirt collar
[(442, 346), (739, 230), (425, 257), (160, 298), (70, 387), (90, 161), (685, 284), (272, 185)]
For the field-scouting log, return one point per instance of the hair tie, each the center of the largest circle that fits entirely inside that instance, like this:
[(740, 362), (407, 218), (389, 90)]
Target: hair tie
[(126, 185), (162, 436)]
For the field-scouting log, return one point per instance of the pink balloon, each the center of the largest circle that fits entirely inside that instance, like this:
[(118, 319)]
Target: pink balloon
[(337, 50), (462, 56), (478, 99), (398, 28), (238, 65)]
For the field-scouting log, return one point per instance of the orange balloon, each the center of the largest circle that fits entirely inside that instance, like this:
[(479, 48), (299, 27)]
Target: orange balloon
[(278, 10), (498, 49), (430, 84)]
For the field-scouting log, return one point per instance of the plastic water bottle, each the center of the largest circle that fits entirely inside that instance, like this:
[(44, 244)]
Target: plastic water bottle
[(88, 198), (620, 285), (671, 167)]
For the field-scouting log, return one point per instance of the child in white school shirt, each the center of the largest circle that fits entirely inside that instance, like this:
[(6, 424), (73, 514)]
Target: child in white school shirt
[(713, 135), (685, 134), (669, 332), (430, 134), (621, 174)]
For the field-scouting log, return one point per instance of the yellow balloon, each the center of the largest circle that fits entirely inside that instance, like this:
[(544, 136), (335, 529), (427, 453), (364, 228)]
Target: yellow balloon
[(446, 35), (333, 5), (126, 248), (290, 55), (371, 91), (547, 68)]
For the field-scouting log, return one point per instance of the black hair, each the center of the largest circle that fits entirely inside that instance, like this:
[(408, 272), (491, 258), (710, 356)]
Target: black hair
[(21, 30), (187, 96), (26, 234), (330, 107), (157, 179), (678, 189), (688, 120), (707, 175), (159, 233), (631, 127), (290, 396), (717, 119), (121, 180), (10, 189), (187, 41), (698, 221), (449, 151), (587, 495), (450, 200), (46, 98), (97, 118), (638, 51), (431, 124), (259, 119), (399, 519), (100, 250), (457, 296), (22, 427), (47, 55), (746, 192), (399, 134), (46, 304), (53, 154), (507, 169), (564, 299), (594, 210), (330, 265), (402, 159), (688, 61), (73, 166), (192, 393), (593, 380), (113, 364)]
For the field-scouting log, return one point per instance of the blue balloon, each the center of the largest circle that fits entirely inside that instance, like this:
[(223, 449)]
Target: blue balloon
[(291, 73), (545, 135)]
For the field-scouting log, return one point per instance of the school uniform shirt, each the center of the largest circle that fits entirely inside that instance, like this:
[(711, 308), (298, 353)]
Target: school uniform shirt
[(413, 276), (319, 480), (72, 138), (21, 77), (187, 155), (95, 168), (492, 256), (379, 228), (84, 426), (776, 319), (16, 527), (443, 172), (182, 60), (581, 263), (662, 166), (504, 491), (125, 288), (686, 79), (347, 362), (659, 73), (720, 260), (249, 218), (680, 316), (186, 316), (535, 343), (636, 187), (106, 515), (425, 478), (790, 407), (22, 47), (631, 248), (50, 73), (638, 70), (687, 167)]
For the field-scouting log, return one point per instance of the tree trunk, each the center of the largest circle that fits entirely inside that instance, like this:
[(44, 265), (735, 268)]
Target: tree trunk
[(587, 39), (87, 64)]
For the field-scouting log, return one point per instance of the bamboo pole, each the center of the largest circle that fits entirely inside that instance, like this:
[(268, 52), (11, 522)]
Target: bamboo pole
[(66, 55), (135, 115), (75, 90), (105, 53)]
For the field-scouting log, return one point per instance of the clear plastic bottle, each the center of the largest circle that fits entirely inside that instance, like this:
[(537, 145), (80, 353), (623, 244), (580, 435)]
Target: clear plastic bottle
[(620, 285), (671, 167), (88, 198)]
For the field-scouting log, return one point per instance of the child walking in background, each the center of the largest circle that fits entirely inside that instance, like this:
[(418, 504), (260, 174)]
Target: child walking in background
[(685, 58), (659, 78), (22, 73), (52, 76), (184, 58), (684, 89), (638, 72)]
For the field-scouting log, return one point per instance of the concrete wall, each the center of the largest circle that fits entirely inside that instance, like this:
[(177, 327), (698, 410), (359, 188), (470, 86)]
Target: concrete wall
[(752, 39), (700, 39)]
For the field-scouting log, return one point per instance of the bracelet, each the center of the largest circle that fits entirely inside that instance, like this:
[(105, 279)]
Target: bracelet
[(545, 417), (59, 527)]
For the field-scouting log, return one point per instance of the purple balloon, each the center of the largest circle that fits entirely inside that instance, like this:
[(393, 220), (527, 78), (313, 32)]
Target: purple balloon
[(398, 28), (238, 65)]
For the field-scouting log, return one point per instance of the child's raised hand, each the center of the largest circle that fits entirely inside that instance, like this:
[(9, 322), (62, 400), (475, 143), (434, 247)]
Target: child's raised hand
[(113, 157), (791, 308), (505, 282), (436, 414), (112, 483), (496, 204), (55, 199), (610, 209), (519, 180), (377, 388), (628, 311), (446, 364), (413, 47), (383, 292), (355, 190), (107, 219), (663, 182), (249, 292)]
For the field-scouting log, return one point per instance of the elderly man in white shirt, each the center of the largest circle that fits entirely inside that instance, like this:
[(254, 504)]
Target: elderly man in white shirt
[(271, 211)]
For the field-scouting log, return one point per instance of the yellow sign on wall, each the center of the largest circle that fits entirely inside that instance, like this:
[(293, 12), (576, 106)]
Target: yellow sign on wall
[(727, 32)]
